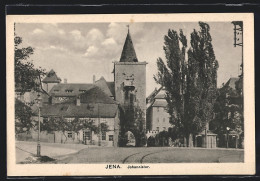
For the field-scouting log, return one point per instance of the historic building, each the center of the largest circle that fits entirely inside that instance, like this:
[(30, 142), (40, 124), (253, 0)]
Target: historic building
[(120, 104), (86, 102), (157, 115), (158, 121), (130, 92)]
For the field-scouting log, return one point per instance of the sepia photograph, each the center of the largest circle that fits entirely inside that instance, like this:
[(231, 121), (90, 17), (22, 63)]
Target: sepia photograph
[(131, 93)]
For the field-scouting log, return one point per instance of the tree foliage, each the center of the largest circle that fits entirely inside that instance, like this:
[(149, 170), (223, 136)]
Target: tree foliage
[(227, 112), (62, 125), (26, 74), (132, 119), (190, 84), (23, 114), (27, 78)]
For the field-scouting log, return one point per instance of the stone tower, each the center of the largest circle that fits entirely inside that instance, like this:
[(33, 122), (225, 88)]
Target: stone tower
[(50, 80), (130, 91)]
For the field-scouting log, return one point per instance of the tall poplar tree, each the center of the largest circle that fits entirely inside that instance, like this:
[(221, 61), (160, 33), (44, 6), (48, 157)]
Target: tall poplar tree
[(172, 76), (202, 59), (190, 84)]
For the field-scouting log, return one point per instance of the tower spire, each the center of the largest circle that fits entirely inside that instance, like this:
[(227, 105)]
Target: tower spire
[(128, 52)]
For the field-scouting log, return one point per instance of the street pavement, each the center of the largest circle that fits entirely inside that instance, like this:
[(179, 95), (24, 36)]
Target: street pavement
[(25, 149), (78, 153), (153, 155)]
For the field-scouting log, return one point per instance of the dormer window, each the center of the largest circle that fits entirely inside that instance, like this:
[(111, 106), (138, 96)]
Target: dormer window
[(82, 91), (56, 90), (68, 91)]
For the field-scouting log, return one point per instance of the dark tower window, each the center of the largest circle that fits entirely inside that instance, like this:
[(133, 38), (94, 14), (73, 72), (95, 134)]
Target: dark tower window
[(126, 95), (131, 99)]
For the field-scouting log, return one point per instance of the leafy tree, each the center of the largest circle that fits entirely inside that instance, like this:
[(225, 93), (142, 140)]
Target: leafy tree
[(26, 75), (227, 113), (26, 79), (172, 76), (190, 84), (76, 125), (132, 119), (162, 138), (23, 114), (203, 61)]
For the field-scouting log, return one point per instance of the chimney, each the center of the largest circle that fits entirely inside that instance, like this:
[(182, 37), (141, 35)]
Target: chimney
[(94, 79), (65, 81), (78, 101)]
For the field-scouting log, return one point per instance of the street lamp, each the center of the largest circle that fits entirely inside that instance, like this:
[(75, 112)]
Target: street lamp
[(38, 102), (227, 135)]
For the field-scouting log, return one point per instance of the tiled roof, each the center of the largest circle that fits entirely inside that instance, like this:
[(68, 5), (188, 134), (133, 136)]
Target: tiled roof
[(232, 82), (159, 103), (96, 95), (84, 110), (103, 85), (160, 94), (152, 94), (128, 53), (65, 89), (51, 77), (94, 103), (111, 86)]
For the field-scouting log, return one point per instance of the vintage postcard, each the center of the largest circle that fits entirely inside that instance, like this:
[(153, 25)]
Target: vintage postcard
[(130, 94)]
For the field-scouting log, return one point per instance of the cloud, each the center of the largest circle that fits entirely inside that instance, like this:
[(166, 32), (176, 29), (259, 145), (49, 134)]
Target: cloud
[(91, 51), (61, 32), (115, 31), (37, 31), (109, 42), (76, 34), (94, 36)]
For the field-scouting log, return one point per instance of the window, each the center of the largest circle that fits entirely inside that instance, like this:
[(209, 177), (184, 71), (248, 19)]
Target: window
[(158, 109), (103, 135), (163, 119), (69, 120), (157, 128), (164, 128), (87, 135), (110, 137), (56, 90), (82, 91), (68, 90), (131, 99), (69, 134)]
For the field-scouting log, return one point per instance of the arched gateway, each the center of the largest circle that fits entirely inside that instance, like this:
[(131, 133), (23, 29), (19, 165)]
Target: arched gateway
[(130, 93)]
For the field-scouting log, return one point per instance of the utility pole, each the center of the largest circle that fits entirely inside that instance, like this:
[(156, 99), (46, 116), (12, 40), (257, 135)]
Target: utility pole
[(99, 131), (99, 125), (38, 100)]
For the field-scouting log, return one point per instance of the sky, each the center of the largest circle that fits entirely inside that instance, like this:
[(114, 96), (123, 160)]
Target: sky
[(77, 51)]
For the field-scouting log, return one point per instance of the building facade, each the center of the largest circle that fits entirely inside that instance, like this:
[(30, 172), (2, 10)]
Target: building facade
[(130, 91), (97, 102), (157, 115)]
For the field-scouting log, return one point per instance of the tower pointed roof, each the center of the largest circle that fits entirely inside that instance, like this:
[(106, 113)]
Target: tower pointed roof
[(51, 77), (128, 53)]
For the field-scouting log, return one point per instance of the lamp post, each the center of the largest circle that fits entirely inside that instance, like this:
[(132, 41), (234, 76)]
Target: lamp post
[(38, 101), (227, 135), (99, 135)]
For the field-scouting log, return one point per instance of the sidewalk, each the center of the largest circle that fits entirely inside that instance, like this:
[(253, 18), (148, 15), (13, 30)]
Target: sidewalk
[(26, 149)]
